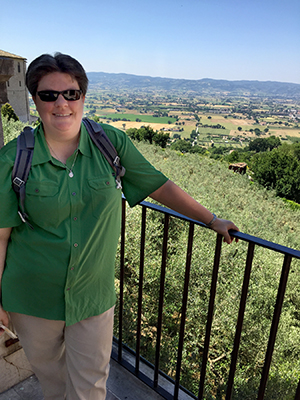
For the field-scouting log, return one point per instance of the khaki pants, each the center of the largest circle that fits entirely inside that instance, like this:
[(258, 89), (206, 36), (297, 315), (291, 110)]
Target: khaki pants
[(70, 362)]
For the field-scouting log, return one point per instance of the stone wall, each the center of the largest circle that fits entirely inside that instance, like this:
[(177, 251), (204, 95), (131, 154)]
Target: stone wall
[(17, 92), (6, 72)]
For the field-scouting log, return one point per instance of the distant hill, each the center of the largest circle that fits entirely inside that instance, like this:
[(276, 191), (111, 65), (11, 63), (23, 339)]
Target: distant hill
[(202, 87)]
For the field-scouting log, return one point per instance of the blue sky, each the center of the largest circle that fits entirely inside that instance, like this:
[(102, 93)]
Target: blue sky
[(190, 39)]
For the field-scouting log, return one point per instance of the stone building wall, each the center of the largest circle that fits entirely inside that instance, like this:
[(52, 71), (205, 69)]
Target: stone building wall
[(6, 72), (17, 92)]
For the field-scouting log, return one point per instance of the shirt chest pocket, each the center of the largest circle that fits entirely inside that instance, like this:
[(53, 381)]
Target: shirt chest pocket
[(42, 202), (105, 196)]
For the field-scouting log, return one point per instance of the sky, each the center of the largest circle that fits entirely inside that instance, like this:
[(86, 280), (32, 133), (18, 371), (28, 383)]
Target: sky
[(186, 39)]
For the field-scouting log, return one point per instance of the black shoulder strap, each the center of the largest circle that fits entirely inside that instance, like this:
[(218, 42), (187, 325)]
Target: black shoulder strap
[(22, 165), (103, 143)]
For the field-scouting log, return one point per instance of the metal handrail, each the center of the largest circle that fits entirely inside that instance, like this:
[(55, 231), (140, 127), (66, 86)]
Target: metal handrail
[(253, 241)]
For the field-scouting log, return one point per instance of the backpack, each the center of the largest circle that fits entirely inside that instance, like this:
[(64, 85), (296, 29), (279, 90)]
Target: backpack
[(25, 148)]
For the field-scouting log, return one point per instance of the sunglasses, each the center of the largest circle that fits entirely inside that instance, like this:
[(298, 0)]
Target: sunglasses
[(52, 95)]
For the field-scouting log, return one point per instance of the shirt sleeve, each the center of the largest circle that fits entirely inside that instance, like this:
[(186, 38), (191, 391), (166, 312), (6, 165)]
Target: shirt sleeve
[(9, 216), (141, 178)]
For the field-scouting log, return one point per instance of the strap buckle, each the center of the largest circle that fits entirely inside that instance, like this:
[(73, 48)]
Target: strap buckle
[(119, 183), (18, 182), (21, 216), (116, 161)]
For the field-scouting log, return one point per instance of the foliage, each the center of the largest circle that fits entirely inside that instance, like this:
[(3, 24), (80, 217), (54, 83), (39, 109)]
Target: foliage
[(261, 144), (256, 211), (147, 134), (8, 112), (11, 129), (185, 146), (279, 169)]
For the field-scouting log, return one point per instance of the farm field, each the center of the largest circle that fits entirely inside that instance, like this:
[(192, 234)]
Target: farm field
[(230, 122)]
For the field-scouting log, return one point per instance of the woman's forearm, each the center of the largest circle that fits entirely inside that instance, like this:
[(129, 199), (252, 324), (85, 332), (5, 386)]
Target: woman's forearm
[(178, 200)]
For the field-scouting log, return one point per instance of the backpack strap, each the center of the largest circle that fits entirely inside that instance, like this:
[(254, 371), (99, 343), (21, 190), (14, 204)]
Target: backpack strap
[(22, 165), (103, 143)]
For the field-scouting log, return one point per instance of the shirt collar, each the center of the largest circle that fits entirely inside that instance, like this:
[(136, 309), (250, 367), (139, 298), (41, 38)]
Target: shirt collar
[(42, 154)]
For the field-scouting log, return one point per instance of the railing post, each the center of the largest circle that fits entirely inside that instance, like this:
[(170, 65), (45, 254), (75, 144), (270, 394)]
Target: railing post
[(210, 313), (240, 320), (161, 298), (183, 308), (140, 299), (274, 327)]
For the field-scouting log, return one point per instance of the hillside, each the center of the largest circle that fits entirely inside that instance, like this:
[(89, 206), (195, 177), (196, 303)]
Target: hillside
[(202, 87), (255, 211)]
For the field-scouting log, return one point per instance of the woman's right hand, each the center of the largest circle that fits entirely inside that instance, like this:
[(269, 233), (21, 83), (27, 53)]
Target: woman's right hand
[(3, 319)]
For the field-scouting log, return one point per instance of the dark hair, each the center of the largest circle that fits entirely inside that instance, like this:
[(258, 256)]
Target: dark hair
[(47, 64)]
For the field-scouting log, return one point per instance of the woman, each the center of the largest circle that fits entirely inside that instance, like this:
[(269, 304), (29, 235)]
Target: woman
[(58, 279)]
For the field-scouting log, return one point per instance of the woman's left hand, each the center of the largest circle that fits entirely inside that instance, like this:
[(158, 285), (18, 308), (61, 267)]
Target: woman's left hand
[(222, 226)]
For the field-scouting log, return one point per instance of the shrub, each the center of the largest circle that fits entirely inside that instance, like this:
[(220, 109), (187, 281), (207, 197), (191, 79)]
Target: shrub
[(8, 112)]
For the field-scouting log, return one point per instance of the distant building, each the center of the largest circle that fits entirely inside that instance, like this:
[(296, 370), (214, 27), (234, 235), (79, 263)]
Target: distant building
[(16, 90)]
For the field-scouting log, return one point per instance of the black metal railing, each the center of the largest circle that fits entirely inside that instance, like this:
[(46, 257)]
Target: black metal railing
[(253, 241)]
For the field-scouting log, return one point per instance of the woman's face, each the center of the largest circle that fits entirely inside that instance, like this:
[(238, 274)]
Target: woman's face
[(61, 118)]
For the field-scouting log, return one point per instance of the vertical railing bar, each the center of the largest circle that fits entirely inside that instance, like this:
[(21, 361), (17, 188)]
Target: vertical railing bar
[(184, 308), (122, 267), (140, 298), (297, 396), (274, 327), (240, 320), (210, 314), (161, 298)]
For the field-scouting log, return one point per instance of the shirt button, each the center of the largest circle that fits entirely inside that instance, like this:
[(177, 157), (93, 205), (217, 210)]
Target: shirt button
[(73, 193), (36, 190), (72, 268), (75, 218), (75, 244), (68, 288)]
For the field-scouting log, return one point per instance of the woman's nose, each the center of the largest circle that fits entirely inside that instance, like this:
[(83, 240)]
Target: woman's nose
[(61, 100)]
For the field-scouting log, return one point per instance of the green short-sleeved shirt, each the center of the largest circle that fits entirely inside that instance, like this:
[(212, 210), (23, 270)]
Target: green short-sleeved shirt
[(64, 268)]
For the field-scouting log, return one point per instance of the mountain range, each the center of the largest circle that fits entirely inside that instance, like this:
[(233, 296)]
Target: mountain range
[(201, 87)]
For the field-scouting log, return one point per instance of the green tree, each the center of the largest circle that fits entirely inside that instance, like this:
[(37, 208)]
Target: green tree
[(8, 112), (193, 135), (181, 145), (279, 169), (233, 157), (261, 144), (161, 139)]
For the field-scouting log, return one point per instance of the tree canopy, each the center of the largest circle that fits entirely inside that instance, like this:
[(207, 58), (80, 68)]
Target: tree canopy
[(279, 169)]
